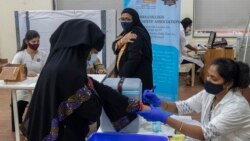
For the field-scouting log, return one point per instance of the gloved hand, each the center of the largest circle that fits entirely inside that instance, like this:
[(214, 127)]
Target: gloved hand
[(155, 114), (149, 97)]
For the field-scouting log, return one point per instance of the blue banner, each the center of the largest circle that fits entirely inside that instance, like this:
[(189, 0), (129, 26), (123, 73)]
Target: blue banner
[(162, 20)]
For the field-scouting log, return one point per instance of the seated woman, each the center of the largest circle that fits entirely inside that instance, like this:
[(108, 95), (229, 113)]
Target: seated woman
[(225, 113), (94, 65), (185, 47), (34, 60)]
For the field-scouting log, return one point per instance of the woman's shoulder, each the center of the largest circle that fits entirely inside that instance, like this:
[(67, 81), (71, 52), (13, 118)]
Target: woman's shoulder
[(238, 98), (235, 102), (20, 53), (235, 96), (204, 94), (42, 53), (138, 29), (19, 57)]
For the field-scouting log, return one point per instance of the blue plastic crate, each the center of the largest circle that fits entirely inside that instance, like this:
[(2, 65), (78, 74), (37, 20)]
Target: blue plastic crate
[(125, 137)]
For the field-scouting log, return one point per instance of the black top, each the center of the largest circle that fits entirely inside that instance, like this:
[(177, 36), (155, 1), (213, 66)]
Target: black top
[(63, 103), (136, 61)]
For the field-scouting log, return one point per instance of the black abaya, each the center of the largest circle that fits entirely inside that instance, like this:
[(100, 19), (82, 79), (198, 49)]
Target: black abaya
[(136, 59), (63, 103)]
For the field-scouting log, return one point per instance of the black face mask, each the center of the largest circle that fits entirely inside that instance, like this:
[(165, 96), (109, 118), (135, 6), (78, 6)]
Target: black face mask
[(127, 25), (213, 88)]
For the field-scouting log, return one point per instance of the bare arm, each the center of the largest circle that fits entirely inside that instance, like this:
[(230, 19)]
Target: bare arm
[(169, 106), (191, 47), (184, 128)]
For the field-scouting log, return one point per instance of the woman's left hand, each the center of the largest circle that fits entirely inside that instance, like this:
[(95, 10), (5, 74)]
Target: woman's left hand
[(128, 38), (155, 114), (150, 97)]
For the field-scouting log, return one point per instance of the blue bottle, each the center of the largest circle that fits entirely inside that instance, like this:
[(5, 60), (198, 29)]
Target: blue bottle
[(156, 126)]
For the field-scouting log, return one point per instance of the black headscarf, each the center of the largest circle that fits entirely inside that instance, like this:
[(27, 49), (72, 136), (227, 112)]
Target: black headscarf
[(77, 32), (139, 29), (136, 20), (63, 75)]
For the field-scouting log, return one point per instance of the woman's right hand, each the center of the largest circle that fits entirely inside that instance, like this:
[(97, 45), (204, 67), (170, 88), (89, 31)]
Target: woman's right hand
[(101, 71), (150, 97), (155, 114)]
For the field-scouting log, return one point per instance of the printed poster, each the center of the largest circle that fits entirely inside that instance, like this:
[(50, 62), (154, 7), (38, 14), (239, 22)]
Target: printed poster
[(162, 20)]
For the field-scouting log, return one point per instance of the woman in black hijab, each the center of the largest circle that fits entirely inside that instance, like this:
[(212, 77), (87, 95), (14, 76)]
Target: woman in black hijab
[(65, 101), (133, 49)]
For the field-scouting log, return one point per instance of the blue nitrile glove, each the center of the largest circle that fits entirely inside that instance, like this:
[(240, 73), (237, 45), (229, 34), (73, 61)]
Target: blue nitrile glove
[(150, 97), (155, 114)]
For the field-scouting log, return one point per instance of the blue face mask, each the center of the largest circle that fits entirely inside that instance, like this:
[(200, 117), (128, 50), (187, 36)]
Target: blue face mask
[(126, 25), (92, 60), (188, 33), (213, 88)]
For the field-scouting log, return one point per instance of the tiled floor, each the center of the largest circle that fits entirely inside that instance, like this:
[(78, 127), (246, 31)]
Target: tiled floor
[(6, 133), (5, 111)]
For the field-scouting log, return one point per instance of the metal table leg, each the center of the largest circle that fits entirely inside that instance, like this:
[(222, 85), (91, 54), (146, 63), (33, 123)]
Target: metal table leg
[(16, 122), (12, 115)]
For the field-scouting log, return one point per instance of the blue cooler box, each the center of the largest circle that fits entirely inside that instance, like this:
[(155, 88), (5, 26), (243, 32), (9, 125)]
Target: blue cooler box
[(125, 137), (130, 87)]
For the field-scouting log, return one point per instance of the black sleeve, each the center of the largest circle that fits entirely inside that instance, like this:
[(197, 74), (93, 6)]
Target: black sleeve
[(90, 110), (113, 47), (115, 104), (120, 109), (134, 51)]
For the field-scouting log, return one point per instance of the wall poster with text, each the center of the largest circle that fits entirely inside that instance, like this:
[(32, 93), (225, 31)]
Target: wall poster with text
[(162, 20)]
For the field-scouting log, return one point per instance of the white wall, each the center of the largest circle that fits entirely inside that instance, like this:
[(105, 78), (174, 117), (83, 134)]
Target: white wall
[(187, 9), (7, 22), (7, 29)]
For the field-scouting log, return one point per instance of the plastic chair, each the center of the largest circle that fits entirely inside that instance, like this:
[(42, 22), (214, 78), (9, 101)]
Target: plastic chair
[(185, 68)]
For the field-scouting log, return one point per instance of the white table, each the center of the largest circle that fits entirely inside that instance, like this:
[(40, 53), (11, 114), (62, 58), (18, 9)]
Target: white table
[(29, 84), (146, 128), (166, 131)]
